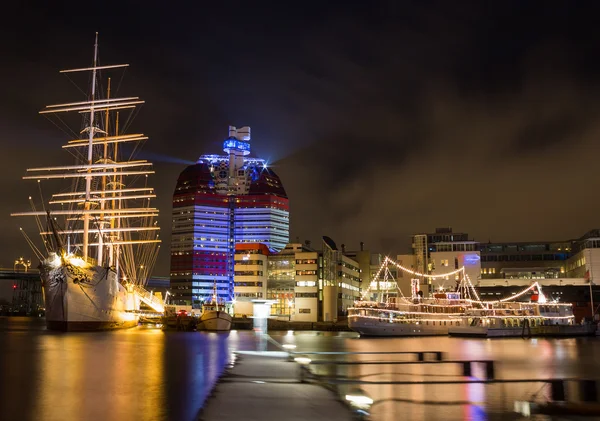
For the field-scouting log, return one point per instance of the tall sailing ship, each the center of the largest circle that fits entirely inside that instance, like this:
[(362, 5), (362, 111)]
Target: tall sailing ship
[(100, 237)]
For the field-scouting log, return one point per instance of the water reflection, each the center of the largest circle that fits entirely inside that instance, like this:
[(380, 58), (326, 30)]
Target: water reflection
[(148, 374), (516, 359), (130, 374)]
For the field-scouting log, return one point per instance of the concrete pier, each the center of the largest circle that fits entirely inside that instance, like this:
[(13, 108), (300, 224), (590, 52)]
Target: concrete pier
[(266, 386)]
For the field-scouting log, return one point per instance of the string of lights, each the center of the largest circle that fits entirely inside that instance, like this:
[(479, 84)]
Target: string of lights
[(465, 277)]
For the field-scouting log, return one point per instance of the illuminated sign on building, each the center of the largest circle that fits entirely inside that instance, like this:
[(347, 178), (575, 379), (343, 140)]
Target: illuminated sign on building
[(471, 259), (234, 144)]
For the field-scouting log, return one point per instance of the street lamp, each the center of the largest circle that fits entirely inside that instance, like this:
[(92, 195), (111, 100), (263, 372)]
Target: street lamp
[(22, 262)]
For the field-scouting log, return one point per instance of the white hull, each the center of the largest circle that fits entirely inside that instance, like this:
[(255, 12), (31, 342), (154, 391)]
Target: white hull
[(85, 298), (368, 326), (214, 320), (491, 332)]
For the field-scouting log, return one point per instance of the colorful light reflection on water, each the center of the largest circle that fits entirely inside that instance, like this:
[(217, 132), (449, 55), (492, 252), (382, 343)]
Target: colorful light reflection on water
[(149, 374)]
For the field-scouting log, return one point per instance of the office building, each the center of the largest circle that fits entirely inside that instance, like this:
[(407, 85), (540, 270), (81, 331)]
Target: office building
[(219, 202)]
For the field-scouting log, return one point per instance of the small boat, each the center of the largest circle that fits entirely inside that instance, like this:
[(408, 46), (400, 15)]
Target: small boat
[(215, 316), (179, 319)]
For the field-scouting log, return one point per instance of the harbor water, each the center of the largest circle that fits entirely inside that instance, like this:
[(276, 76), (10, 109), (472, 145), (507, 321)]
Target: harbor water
[(149, 374)]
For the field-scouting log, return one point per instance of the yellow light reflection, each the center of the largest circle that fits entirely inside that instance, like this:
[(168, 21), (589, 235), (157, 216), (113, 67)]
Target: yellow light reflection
[(104, 375)]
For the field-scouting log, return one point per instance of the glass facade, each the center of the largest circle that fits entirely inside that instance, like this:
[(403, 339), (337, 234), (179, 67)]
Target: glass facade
[(281, 283)]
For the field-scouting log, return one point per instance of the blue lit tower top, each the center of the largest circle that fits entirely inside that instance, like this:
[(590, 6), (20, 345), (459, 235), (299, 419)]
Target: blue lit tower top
[(238, 141), (237, 145)]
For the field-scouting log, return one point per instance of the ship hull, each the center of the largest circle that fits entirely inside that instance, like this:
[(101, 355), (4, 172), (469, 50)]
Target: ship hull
[(367, 326), (550, 331), (85, 299), (216, 321), (88, 326)]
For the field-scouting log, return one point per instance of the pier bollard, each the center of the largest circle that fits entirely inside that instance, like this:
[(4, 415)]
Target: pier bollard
[(489, 370), (557, 390), (467, 368), (588, 391)]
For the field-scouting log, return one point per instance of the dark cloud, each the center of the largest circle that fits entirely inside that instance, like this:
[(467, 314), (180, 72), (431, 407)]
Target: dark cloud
[(382, 118)]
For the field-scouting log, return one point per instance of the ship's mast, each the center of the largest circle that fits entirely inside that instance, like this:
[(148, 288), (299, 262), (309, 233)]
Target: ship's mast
[(126, 239), (117, 185), (102, 202), (88, 179)]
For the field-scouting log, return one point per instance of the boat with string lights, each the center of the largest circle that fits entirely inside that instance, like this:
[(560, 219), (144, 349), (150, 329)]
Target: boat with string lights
[(99, 235), (461, 312), (385, 311)]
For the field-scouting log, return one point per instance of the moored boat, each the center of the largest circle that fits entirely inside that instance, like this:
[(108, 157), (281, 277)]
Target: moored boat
[(215, 316), (390, 313), (460, 312), (409, 317), (100, 238)]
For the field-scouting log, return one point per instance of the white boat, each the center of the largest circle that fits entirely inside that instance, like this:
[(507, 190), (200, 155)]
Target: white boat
[(100, 238), (461, 312), (215, 316), (393, 314), (409, 317)]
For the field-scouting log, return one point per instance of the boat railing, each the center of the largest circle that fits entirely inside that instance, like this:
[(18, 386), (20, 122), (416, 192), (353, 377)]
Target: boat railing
[(148, 298)]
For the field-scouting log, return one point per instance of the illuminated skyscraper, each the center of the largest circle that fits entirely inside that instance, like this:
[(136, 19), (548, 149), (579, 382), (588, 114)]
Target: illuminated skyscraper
[(218, 202)]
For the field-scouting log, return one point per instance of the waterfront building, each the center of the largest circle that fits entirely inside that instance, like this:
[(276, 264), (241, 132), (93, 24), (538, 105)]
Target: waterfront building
[(306, 288), (20, 291), (437, 253), (524, 260), (250, 276), (219, 202), (371, 278), (341, 281), (303, 284), (293, 283), (575, 258), (584, 259), (444, 251)]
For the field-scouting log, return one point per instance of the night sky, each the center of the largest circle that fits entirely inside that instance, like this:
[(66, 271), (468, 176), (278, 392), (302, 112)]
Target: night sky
[(381, 118)]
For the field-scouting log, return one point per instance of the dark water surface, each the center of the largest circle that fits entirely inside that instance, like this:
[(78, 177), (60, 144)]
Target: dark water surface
[(148, 374)]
